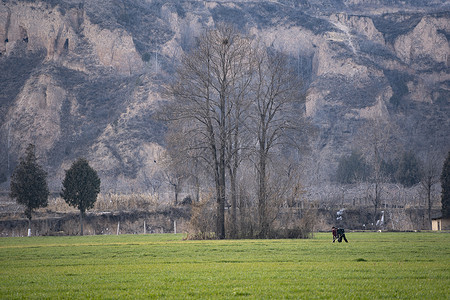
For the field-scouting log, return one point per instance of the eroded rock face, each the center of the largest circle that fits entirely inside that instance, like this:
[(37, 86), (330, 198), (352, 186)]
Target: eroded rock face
[(113, 48), (36, 115), (357, 24), (85, 79), (64, 34), (39, 27), (427, 40)]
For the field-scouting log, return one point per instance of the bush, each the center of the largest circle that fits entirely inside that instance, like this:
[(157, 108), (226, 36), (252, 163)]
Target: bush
[(201, 225), (146, 57)]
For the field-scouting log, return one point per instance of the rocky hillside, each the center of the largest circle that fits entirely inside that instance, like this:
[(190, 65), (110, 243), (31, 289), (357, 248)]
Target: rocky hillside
[(82, 78)]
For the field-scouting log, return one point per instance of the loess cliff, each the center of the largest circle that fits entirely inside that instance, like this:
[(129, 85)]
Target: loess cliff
[(83, 78)]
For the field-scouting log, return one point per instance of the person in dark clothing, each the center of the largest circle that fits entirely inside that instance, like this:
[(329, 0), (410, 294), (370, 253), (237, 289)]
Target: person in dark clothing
[(334, 231), (341, 235)]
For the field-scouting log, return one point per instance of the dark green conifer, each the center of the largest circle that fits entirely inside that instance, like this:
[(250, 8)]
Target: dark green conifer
[(29, 184), (81, 187), (445, 184), (408, 172)]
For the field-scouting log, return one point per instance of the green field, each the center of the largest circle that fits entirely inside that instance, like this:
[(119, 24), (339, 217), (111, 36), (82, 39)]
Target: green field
[(371, 266)]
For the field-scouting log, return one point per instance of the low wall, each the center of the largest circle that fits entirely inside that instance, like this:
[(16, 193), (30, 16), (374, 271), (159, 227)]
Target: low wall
[(132, 222)]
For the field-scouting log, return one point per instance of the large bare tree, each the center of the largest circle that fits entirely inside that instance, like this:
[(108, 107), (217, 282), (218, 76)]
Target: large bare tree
[(276, 116), (232, 99), (206, 91)]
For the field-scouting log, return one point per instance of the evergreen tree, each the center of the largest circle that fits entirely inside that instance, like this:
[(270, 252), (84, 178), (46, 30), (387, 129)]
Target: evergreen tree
[(445, 184), (352, 168), (29, 184), (388, 170), (408, 172), (81, 187)]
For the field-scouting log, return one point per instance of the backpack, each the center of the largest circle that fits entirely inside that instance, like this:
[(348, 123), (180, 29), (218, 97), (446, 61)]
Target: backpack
[(340, 231)]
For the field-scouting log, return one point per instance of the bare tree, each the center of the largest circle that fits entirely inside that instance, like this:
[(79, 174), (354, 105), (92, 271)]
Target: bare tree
[(430, 176), (238, 137), (232, 96), (173, 172), (275, 113), (188, 158), (377, 141), (203, 91)]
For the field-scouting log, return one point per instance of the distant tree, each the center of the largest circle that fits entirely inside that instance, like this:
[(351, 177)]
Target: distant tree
[(29, 184), (3, 177), (377, 142), (389, 169), (352, 168), (398, 82), (430, 176), (146, 57), (445, 185), (408, 171), (173, 172), (81, 187)]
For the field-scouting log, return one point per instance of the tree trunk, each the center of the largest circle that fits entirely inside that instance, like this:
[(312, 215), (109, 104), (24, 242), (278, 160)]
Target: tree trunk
[(197, 190), (376, 203), (221, 203), (219, 179), (429, 204), (175, 188), (222, 153), (233, 230), (233, 165), (81, 223), (262, 205)]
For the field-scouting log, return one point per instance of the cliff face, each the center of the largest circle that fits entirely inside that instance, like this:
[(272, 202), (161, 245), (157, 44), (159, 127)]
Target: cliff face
[(66, 36), (82, 78)]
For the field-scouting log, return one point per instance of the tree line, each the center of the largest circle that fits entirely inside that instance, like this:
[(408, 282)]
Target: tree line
[(371, 161), (236, 130), (235, 118), (234, 104)]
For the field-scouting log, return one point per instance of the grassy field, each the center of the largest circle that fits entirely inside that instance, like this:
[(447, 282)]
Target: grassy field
[(370, 266)]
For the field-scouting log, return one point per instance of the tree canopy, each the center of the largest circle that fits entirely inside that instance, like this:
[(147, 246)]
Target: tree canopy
[(408, 171), (81, 186), (352, 168)]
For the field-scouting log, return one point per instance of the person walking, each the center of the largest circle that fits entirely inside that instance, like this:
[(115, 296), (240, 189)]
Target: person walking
[(341, 235), (334, 232)]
